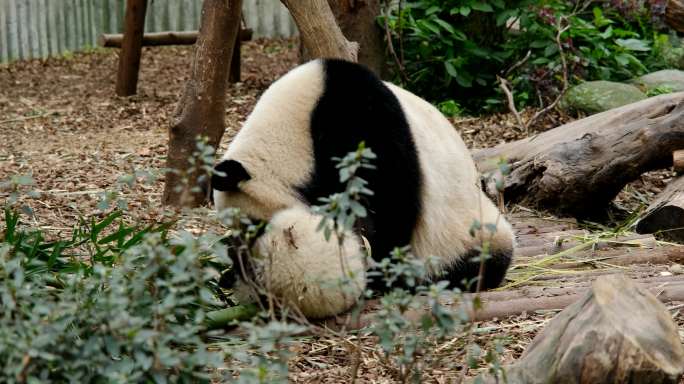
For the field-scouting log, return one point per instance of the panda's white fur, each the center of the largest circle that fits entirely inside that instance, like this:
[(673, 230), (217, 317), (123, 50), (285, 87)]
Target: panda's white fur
[(298, 266), (452, 197), (275, 147)]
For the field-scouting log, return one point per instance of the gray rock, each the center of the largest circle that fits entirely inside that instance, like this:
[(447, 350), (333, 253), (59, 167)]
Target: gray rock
[(659, 82), (598, 96)]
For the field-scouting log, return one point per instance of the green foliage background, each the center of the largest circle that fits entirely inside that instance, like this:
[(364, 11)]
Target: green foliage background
[(452, 51)]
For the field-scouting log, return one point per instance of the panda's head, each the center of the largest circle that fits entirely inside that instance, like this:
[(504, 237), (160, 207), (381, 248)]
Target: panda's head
[(251, 187), (271, 157)]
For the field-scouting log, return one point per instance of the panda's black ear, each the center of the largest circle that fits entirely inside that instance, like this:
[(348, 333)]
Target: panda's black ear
[(231, 172)]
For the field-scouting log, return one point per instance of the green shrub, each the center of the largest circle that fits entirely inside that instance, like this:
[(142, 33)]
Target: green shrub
[(140, 320), (453, 50)]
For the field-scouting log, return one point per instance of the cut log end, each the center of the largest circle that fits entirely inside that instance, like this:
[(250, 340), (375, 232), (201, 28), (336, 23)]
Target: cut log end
[(665, 215), (615, 333), (678, 160)]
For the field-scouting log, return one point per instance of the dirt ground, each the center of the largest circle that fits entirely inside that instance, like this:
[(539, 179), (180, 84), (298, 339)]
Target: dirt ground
[(61, 123)]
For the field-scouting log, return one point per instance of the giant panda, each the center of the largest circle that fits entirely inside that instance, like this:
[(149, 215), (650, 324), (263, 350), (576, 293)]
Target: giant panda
[(426, 188), (294, 263)]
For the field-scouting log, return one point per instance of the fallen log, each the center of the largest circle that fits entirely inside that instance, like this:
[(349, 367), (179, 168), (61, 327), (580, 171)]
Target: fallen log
[(665, 215), (616, 332), (624, 257), (533, 293), (503, 304), (578, 168), (114, 40), (552, 247)]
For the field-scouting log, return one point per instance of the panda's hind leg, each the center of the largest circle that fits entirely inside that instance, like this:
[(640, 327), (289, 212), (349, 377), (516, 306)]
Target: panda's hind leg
[(462, 273)]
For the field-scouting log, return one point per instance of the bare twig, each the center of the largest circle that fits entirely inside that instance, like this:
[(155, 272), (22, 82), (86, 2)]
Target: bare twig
[(503, 83), (564, 62), (390, 46), (518, 64), (24, 118)]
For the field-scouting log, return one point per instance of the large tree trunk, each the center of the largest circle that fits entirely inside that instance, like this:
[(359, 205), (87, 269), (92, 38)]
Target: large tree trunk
[(579, 167), (616, 333), (319, 31), (201, 111), (357, 20)]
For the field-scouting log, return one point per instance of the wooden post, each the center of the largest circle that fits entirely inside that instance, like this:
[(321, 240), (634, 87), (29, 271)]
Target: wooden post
[(129, 57), (234, 75)]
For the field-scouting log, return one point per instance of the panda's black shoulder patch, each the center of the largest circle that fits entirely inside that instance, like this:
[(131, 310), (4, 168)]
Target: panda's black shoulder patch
[(230, 173), (354, 106)]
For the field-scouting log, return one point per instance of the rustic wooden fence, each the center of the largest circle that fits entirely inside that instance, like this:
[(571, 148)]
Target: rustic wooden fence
[(41, 28)]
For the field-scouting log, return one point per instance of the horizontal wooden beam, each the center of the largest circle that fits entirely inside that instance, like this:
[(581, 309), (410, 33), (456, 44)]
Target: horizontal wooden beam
[(162, 38)]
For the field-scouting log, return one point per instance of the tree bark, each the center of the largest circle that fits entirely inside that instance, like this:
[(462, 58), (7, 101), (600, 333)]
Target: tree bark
[(129, 58), (665, 215), (357, 20), (674, 15), (320, 34), (114, 40), (578, 168), (616, 333), (201, 111)]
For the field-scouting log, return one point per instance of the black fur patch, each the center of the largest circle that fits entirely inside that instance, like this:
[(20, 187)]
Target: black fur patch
[(234, 173), (356, 106), (467, 269)]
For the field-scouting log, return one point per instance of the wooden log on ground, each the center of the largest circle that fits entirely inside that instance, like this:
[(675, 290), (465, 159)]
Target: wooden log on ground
[(500, 301), (674, 15), (114, 40), (615, 333), (129, 59), (624, 257), (578, 168), (527, 248), (502, 304), (665, 215), (559, 298)]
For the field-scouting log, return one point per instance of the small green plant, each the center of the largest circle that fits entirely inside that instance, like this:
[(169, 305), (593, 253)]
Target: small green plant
[(660, 90), (450, 108)]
